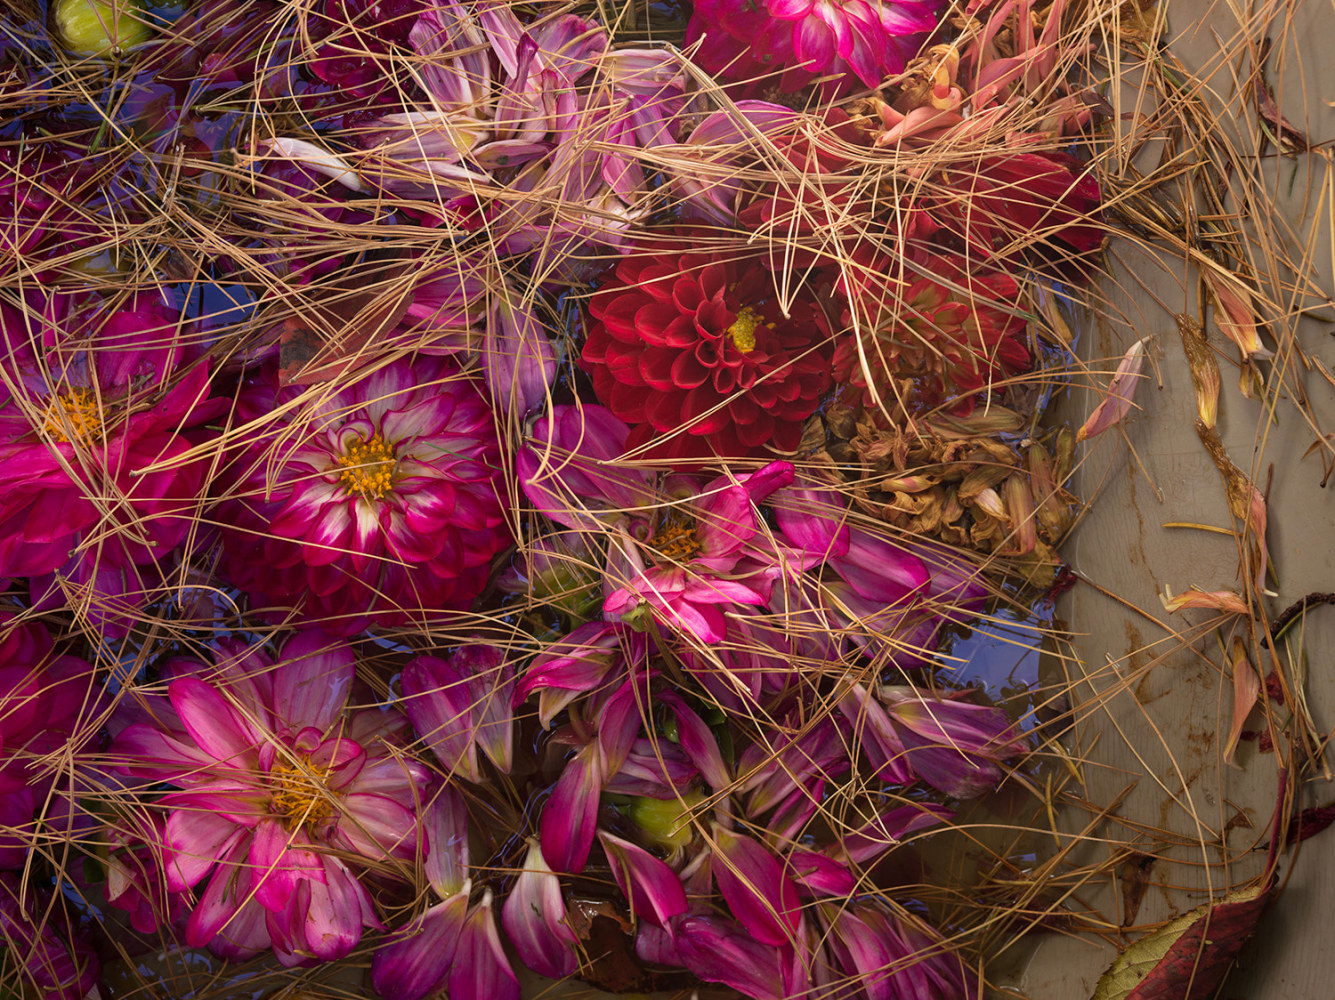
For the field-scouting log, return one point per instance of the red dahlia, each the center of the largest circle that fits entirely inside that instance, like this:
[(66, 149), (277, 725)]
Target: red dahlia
[(697, 343), (946, 334)]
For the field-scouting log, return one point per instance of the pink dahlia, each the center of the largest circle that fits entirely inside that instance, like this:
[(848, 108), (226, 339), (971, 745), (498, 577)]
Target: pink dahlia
[(802, 40), (376, 505), (940, 336), (282, 797), (696, 345), (78, 430)]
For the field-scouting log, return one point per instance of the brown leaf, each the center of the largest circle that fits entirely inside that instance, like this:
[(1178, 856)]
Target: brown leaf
[(1135, 878), (1187, 958)]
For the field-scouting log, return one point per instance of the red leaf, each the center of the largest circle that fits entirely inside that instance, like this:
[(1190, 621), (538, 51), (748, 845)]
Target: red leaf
[(1188, 958)]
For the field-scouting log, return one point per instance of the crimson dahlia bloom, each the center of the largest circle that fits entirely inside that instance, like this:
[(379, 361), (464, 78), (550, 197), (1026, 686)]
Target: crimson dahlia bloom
[(377, 505), (697, 344), (279, 790), (849, 40)]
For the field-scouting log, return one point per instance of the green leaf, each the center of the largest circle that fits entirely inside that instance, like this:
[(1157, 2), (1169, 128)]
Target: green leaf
[(1188, 958)]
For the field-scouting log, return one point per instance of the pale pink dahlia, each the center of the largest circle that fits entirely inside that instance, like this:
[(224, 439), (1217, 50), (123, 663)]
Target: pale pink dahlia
[(794, 42), (377, 505), (282, 798)]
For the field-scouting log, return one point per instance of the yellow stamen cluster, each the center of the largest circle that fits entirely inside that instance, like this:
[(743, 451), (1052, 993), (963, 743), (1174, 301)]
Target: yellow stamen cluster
[(298, 795), (74, 415), (676, 538), (743, 330), (369, 467)]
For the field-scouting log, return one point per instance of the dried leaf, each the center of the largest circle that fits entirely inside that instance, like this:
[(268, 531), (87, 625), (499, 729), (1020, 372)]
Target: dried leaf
[(1234, 313), (337, 328), (1245, 501), (1188, 958), (1246, 689), (1204, 368), (1289, 138), (1119, 400), (1135, 880)]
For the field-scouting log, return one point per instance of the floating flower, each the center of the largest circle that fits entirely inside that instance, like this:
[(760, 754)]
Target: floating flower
[(696, 345), (279, 791), (794, 42), (379, 504)]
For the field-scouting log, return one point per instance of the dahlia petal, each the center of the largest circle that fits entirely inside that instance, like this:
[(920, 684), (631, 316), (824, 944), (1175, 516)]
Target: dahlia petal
[(758, 891), (311, 685), (814, 43), (417, 961), (481, 968), (652, 888), (570, 816), (534, 917), (279, 862), (376, 826), (214, 724), (193, 840)]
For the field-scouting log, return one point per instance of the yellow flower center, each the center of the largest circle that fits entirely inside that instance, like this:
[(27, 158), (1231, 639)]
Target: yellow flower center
[(743, 330), (298, 795), (74, 415), (369, 467), (675, 538)]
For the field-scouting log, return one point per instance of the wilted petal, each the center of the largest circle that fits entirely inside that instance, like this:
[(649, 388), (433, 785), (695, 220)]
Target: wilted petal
[(417, 960), (481, 968), (722, 952), (755, 887), (316, 158), (1246, 689), (446, 826), (517, 357), (1227, 601), (1119, 400), (438, 703), (534, 917), (570, 816), (653, 889)]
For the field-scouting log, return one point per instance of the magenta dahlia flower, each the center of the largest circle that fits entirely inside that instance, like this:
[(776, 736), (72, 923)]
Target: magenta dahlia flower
[(794, 42), (282, 797), (696, 345), (679, 553), (45, 699), (377, 505), (79, 429)]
